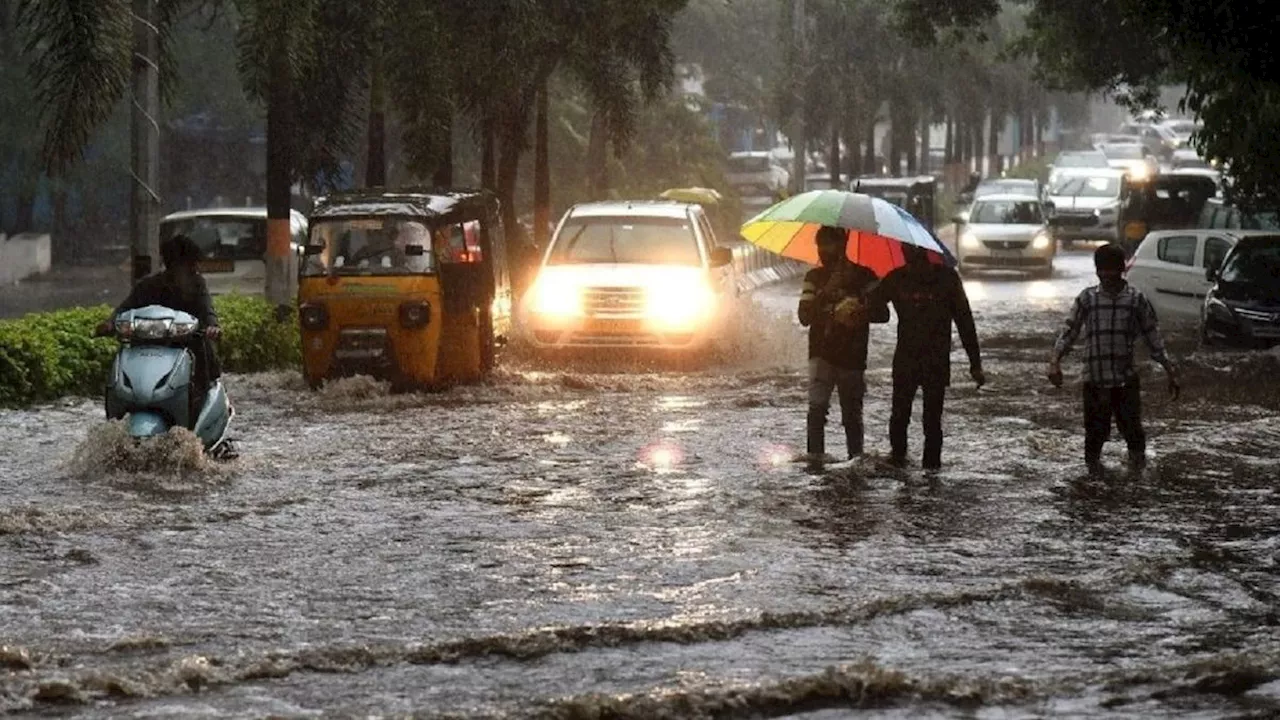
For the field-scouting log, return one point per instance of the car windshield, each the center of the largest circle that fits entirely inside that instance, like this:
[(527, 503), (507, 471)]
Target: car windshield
[(1006, 212), (1081, 160), (627, 240), (748, 164), (1086, 187), (222, 237), (1000, 187), (369, 246), (1123, 152), (1255, 262)]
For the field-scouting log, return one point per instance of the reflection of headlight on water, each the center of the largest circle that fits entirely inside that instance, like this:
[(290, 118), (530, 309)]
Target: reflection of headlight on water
[(1041, 290), (975, 290), (661, 457)]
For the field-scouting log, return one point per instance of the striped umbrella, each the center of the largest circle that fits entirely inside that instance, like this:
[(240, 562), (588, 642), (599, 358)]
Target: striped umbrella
[(877, 229)]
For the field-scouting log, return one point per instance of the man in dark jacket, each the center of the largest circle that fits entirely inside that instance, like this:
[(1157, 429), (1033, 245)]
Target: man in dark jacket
[(180, 287), (928, 298), (838, 335)]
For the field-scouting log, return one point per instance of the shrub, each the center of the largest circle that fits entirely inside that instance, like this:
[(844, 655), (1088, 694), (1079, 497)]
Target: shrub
[(45, 356)]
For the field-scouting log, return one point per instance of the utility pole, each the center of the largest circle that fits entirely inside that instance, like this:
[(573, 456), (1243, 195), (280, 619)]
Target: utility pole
[(800, 79), (144, 203), (279, 168)]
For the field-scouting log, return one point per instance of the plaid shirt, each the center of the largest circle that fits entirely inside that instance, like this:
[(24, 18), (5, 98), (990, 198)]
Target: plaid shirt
[(1112, 323)]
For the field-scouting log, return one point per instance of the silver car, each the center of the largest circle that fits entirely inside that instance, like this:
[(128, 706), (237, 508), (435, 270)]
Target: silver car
[(1006, 232)]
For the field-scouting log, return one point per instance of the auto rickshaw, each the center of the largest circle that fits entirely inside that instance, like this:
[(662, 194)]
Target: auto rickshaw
[(408, 286), (913, 194), (1168, 201)]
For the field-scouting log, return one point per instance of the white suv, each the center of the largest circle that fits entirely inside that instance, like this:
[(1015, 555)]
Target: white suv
[(631, 275)]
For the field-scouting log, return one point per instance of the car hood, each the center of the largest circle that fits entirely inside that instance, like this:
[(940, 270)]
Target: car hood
[(1264, 297), (985, 231), (1069, 202), (620, 275)]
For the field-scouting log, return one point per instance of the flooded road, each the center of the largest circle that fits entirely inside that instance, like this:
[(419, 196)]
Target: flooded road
[(574, 543)]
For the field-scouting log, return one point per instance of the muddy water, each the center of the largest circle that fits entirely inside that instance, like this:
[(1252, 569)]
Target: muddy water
[(593, 542)]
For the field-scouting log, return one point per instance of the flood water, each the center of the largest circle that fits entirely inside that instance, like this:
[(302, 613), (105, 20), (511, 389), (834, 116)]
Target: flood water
[(603, 542)]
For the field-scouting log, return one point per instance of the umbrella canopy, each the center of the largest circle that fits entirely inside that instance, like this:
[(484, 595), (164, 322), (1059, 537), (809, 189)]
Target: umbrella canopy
[(877, 230)]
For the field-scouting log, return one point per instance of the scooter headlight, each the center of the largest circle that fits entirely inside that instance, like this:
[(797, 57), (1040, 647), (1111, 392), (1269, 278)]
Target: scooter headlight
[(150, 329)]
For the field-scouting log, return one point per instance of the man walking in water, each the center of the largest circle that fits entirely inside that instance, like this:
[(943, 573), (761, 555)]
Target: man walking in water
[(928, 298), (1112, 315), (838, 335)]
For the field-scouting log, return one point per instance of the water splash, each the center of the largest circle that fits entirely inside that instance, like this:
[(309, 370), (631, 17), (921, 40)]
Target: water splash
[(174, 462)]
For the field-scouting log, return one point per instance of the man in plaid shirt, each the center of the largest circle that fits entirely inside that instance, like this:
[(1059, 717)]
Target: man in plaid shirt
[(1111, 316)]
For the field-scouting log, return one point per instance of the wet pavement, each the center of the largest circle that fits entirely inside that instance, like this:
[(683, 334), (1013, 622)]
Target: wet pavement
[(603, 542)]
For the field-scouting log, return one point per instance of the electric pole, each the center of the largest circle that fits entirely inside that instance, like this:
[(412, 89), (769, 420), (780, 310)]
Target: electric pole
[(144, 203), (800, 79)]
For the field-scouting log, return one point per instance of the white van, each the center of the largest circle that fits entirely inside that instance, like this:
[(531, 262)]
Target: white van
[(234, 243)]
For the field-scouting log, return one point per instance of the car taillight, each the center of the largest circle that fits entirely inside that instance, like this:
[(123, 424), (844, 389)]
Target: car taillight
[(415, 314), (313, 317)]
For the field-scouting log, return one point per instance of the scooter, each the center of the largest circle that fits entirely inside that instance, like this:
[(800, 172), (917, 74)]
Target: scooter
[(150, 384)]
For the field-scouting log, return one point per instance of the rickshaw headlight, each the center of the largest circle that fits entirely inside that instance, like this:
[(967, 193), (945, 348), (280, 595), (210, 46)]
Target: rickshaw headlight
[(415, 314), (313, 317)]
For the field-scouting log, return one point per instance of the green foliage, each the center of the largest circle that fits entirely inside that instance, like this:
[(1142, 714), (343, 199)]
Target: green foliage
[(45, 356)]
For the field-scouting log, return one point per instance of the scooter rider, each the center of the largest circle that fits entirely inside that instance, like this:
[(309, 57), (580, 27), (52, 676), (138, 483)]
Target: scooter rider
[(180, 287)]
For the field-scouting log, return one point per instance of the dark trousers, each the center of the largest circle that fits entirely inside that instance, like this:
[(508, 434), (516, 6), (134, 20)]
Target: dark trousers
[(849, 384), (204, 371), (1101, 404), (904, 396)]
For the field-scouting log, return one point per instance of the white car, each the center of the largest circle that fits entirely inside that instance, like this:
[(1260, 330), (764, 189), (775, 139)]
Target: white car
[(234, 243), (1133, 158), (757, 177), (1170, 267), (1005, 232), (632, 275), (1086, 203)]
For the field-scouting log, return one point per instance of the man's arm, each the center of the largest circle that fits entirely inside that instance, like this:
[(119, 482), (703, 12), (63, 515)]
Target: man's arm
[(1070, 330), (808, 300), (877, 313), (1149, 326), (962, 315), (208, 316)]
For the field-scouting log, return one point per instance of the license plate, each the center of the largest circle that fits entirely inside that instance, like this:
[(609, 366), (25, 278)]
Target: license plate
[(614, 327), (217, 266)]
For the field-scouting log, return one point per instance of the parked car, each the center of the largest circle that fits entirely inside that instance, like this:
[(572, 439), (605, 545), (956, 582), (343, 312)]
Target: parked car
[(1086, 203), (1170, 266), (234, 243), (1076, 159), (1243, 306), (1158, 140), (1133, 158), (1182, 129), (758, 178), (1005, 232), (632, 275), (1186, 158)]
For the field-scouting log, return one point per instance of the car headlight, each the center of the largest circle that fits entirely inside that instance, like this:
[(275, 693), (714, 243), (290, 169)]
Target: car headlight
[(969, 240), (1220, 311), (558, 298), (679, 306), (1041, 241)]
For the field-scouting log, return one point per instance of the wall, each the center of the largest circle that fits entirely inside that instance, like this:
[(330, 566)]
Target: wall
[(23, 255)]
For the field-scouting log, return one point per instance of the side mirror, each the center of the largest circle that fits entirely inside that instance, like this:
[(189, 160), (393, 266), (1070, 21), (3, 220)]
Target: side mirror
[(960, 218), (721, 257), (1211, 274), (310, 250), (414, 251)]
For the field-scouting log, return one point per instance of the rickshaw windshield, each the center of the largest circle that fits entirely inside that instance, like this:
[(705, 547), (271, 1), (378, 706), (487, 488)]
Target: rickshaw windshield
[(369, 246)]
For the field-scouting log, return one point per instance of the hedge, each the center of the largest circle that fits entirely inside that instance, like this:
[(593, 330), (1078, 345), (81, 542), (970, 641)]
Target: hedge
[(45, 356)]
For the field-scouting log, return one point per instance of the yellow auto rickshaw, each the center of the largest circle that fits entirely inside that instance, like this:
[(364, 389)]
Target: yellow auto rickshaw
[(407, 286)]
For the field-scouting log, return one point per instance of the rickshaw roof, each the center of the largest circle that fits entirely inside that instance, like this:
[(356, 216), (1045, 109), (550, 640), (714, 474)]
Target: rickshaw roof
[(905, 183), (442, 205)]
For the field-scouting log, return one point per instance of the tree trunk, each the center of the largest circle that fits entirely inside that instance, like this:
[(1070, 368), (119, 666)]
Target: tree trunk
[(912, 147), (980, 145), (443, 176), (993, 144), (926, 149), (375, 174), (144, 206), (510, 145), (895, 139), (597, 158), (25, 218), (279, 169), (949, 145), (869, 164), (833, 161), (488, 154), (1040, 120), (541, 171), (853, 155)]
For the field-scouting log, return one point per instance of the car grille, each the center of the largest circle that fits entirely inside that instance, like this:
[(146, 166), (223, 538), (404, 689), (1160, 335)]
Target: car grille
[(1006, 244), (613, 301), (1269, 318), (361, 343)]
